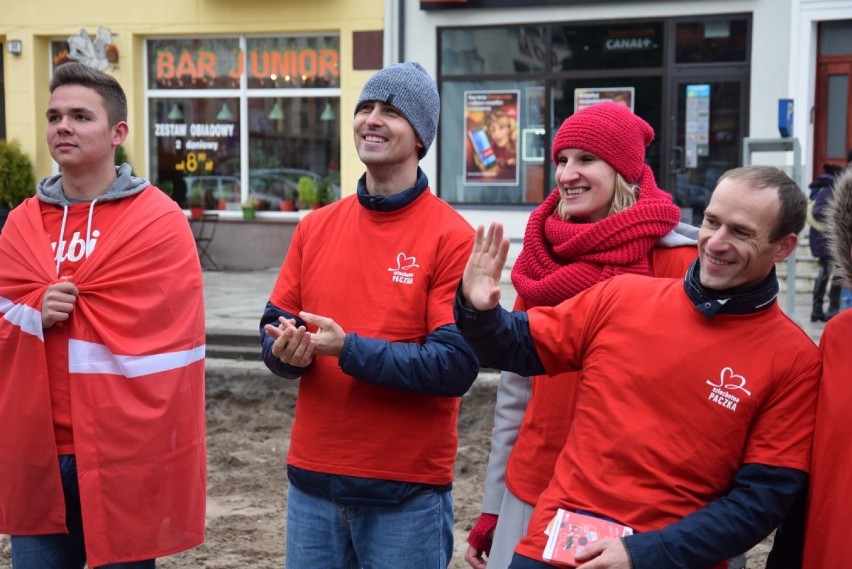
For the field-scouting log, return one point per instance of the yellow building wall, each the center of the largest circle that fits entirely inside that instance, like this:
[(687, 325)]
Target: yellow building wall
[(37, 23)]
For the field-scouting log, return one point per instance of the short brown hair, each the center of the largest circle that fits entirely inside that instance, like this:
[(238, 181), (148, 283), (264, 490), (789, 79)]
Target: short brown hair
[(74, 73), (791, 199)]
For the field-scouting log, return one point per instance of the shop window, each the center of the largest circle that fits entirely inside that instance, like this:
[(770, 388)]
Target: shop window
[(712, 41), (641, 94), (252, 116), (195, 142), (200, 63), (493, 50), (291, 138), (607, 46), (297, 61), (495, 150), (835, 38)]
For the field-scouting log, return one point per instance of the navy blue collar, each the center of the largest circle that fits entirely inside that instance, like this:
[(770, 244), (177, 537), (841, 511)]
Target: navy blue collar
[(745, 299), (392, 202)]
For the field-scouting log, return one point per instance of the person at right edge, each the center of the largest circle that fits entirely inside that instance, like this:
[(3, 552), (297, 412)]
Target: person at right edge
[(822, 190), (829, 512), (605, 217), (694, 417), (815, 534)]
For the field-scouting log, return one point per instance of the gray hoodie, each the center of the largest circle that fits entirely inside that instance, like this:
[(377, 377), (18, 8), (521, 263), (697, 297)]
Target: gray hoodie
[(49, 191)]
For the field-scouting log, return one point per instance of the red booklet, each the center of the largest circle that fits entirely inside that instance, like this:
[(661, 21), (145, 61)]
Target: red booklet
[(569, 533)]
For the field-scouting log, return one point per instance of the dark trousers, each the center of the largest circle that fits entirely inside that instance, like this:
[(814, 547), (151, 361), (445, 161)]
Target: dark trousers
[(824, 281)]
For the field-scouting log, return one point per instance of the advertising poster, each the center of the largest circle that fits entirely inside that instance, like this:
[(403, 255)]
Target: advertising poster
[(697, 135), (491, 137), (591, 95)]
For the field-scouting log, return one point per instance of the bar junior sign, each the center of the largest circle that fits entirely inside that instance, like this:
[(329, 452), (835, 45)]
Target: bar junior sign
[(261, 63), (312, 61)]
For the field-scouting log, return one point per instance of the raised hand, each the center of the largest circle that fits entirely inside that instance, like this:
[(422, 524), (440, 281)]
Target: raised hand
[(481, 279)]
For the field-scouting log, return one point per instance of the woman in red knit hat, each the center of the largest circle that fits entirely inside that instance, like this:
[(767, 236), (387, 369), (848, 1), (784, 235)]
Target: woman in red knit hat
[(606, 216)]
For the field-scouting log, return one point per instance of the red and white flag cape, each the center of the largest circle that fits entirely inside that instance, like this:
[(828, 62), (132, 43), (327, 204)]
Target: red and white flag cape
[(136, 364)]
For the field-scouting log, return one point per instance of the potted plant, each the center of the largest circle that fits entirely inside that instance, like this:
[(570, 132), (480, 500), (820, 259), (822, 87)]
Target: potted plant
[(17, 181), (195, 201), (249, 208), (288, 200), (325, 191), (287, 204), (307, 190)]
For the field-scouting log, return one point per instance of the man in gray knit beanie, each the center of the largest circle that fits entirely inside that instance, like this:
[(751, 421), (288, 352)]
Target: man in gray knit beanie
[(362, 312), (408, 88)]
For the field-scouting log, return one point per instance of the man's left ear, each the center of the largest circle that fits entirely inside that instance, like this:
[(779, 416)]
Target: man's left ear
[(785, 246), (119, 133)]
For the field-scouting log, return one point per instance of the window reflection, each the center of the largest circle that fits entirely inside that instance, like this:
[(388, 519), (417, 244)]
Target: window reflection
[(291, 138), (712, 41), (196, 139), (493, 50), (195, 63), (288, 62), (608, 46), (291, 133)]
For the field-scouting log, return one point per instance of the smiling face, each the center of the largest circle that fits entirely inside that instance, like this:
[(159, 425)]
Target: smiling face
[(383, 136), (733, 242), (586, 185), (79, 136)]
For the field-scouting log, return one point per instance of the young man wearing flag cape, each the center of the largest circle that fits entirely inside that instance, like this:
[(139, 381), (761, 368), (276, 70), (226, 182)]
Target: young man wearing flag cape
[(102, 456)]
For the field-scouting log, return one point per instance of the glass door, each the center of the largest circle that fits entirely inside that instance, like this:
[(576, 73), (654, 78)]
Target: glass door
[(708, 123)]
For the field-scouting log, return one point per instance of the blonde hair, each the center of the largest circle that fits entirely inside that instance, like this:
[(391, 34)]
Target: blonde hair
[(625, 195)]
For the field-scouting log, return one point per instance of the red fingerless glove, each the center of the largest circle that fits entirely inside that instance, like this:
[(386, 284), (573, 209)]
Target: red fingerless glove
[(482, 532)]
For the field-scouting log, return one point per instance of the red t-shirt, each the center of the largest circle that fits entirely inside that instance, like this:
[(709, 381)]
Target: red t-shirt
[(551, 406), (388, 275), (670, 403), (827, 543), (76, 246)]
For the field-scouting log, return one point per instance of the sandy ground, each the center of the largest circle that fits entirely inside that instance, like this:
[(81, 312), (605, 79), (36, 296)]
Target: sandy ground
[(248, 422)]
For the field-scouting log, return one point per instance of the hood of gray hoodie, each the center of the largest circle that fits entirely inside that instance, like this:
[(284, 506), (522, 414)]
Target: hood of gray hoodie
[(682, 234), (49, 190)]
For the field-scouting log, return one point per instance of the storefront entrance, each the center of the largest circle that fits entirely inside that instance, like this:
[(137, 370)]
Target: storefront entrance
[(707, 126), (833, 108), (688, 77)]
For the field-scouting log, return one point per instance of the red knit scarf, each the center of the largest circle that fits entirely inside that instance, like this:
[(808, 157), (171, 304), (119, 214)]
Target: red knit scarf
[(562, 257)]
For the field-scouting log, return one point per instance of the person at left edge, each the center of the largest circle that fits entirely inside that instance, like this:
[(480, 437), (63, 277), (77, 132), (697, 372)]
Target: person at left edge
[(102, 458), (362, 312)]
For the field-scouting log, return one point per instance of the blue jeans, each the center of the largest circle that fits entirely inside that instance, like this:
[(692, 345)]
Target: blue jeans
[(62, 550), (417, 534), (845, 298)]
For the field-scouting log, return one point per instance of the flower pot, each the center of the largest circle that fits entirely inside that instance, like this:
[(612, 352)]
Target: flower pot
[(287, 205), (248, 213), (222, 204), (196, 212)]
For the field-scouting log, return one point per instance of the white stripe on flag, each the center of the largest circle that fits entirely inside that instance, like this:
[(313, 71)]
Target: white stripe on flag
[(27, 318), (88, 357)]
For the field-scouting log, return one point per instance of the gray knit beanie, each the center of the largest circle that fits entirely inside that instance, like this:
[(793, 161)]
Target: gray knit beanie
[(410, 89)]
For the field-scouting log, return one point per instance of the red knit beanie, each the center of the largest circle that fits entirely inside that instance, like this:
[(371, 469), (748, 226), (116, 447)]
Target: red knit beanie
[(611, 132)]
